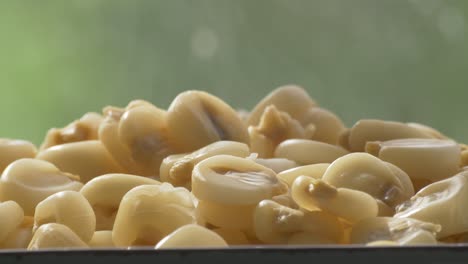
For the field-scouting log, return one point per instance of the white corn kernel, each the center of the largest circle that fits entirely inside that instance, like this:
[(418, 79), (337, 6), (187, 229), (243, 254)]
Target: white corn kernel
[(306, 152), (29, 181), (364, 172), (277, 224), (148, 213), (68, 208), (232, 180), (105, 192), (327, 126), (421, 159), (291, 99), (351, 205), (14, 149), (404, 231), (196, 119), (11, 216), (275, 126), (55, 236), (378, 130), (87, 159), (102, 239), (315, 171), (85, 128), (177, 169), (442, 203), (192, 236)]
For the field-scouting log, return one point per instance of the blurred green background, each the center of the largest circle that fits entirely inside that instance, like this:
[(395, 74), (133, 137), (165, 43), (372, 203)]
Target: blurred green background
[(402, 60)]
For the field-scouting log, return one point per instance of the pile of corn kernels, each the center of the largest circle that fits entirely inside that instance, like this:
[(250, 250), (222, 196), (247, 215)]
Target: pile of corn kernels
[(202, 174)]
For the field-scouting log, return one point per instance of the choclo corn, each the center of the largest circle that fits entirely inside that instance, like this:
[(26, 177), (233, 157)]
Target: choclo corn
[(201, 174)]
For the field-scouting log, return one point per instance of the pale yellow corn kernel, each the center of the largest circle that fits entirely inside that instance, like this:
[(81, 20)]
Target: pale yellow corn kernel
[(366, 173), (291, 99), (29, 181), (11, 216), (143, 130), (421, 159), (327, 125), (87, 159), (192, 236), (21, 236), (85, 128), (68, 208), (382, 243), (442, 203), (55, 236), (277, 164), (236, 181), (109, 136), (277, 126), (105, 192), (196, 119), (277, 224), (315, 171), (230, 216), (177, 169), (14, 149), (232, 237), (260, 144), (404, 231), (351, 205), (305, 152), (102, 239), (148, 213), (366, 130)]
